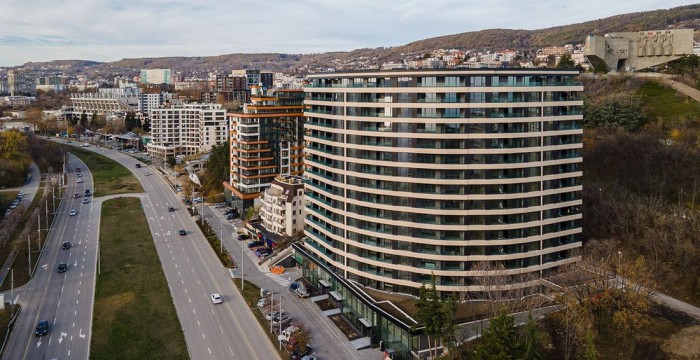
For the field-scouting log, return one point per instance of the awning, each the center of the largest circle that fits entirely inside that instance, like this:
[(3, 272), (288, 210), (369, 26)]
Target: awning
[(365, 323), (324, 283), (336, 296)]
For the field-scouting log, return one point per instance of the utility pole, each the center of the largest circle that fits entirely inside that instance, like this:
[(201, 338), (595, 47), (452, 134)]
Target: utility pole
[(272, 304), (47, 213), (242, 282), (280, 322), (221, 237), (29, 255)]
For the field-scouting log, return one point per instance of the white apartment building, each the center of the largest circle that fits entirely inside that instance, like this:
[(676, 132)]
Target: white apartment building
[(156, 76), (282, 210), (186, 129)]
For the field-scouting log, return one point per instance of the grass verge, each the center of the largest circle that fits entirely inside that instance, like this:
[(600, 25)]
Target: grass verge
[(109, 176), (133, 316), (6, 199), (251, 295), (663, 103)]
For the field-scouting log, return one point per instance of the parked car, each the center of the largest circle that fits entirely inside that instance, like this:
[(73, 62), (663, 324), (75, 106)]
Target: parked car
[(66, 245), (285, 320), (243, 237), (62, 267), (273, 315), (20, 195), (255, 243), (263, 302), (216, 298), (262, 251), (42, 328), (197, 200)]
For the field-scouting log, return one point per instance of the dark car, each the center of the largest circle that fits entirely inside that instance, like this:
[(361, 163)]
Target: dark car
[(62, 267), (76, 195), (42, 328), (255, 243), (243, 237), (87, 192), (171, 209), (183, 232), (138, 165), (66, 245), (261, 252)]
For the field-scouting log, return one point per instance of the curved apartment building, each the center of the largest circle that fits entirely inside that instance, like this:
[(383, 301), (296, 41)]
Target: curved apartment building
[(414, 173)]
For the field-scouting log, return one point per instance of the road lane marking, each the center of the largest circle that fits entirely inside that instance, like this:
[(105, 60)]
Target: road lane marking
[(80, 334), (207, 348), (198, 324), (190, 300), (61, 289), (205, 337)]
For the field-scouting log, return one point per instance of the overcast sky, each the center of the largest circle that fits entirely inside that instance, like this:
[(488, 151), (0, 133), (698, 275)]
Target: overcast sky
[(106, 30)]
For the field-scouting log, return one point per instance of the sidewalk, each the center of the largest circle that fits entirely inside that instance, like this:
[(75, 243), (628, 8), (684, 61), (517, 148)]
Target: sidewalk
[(326, 339)]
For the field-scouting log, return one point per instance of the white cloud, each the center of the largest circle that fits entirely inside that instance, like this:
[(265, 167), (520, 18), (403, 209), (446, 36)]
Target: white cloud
[(104, 30)]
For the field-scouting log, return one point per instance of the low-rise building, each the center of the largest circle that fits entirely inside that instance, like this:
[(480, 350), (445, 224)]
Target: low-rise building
[(106, 101), (282, 210)]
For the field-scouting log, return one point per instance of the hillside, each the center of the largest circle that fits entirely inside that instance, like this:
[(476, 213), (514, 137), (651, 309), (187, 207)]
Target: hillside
[(493, 39)]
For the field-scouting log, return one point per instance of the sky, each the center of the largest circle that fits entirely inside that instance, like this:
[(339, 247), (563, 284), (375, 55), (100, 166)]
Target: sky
[(107, 30)]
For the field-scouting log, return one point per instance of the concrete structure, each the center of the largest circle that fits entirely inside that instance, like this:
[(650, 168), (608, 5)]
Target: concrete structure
[(18, 100), (632, 51), (106, 101), (430, 172), (186, 129), (282, 210), (267, 140), (156, 76)]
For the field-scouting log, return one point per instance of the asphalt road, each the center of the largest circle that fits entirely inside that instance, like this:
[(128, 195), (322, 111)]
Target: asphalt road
[(193, 272), (64, 299)]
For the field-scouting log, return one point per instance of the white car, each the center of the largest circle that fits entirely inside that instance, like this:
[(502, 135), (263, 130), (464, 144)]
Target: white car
[(72, 212), (80, 180), (216, 298), (147, 173)]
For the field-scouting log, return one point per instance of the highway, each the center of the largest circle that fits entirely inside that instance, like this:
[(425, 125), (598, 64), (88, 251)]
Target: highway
[(64, 299), (193, 271)]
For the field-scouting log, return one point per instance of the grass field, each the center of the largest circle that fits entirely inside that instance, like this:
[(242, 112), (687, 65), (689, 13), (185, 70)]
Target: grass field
[(134, 317), (663, 103), (109, 176)]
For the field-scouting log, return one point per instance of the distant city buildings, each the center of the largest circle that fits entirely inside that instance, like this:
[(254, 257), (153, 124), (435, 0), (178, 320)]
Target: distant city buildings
[(282, 210), (20, 83), (186, 129), (267, 140), (18, 100)]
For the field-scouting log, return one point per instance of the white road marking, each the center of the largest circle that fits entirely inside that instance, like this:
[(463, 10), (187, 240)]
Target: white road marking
[(75, 312), (198, 324), (194, 312), (63, 335), (205, 337), (80, 333), (61, 289), (38, 343), (190, 300), (207, 348)]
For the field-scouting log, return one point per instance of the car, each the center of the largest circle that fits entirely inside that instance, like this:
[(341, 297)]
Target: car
[(216, 298), (308, 351), (79, 175), (14, 204), (243, 237), (171, 209), (263, 302), (66, 245), (310, 357), (284, 320), (182, 232), (20, 195), (138, 166), (79, 180), (255, 243), (73, 212), (85, 145), (230, 217), (274, 315), (197, 200), (62, 267), (76, 195), (42, 328), (77, 169), (85, 201), (262, 251)]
